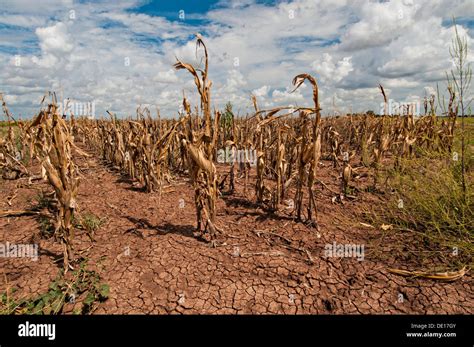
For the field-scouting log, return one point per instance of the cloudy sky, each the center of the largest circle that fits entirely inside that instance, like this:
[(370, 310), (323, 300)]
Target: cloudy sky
[(119, 54)]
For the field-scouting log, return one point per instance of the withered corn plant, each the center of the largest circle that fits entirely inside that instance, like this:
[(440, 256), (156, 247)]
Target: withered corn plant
[(260, 182), (200, 149), (13, 147), (53, 148), (309, 152)]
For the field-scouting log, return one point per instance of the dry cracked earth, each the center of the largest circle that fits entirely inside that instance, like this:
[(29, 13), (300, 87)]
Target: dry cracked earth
[(264, 264)]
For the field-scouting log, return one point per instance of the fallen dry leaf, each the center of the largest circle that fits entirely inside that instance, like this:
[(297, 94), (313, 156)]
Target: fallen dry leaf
[(440, 276)]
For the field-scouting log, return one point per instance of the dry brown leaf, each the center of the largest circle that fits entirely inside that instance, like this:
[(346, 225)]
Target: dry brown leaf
[(440, 276)]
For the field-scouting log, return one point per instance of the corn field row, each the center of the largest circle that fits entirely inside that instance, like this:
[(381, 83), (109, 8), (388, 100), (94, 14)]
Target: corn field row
[(289, 146)]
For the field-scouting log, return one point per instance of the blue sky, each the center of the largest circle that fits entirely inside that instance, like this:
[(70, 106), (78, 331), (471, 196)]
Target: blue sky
[(171, 9), (119, 55)]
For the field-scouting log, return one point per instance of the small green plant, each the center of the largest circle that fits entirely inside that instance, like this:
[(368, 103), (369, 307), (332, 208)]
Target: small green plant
[(460, 78), (46, 228), (90, 223), (81, 283), (227, 118)]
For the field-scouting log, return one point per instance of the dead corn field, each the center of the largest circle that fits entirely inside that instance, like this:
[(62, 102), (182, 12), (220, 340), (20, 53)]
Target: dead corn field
[(148, 215)]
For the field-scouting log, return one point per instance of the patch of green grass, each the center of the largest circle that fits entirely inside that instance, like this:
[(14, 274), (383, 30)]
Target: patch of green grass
[(433, 199), (428, 203)]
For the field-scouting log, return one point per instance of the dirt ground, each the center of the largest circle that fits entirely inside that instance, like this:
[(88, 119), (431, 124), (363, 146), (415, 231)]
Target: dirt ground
[(265, 263)]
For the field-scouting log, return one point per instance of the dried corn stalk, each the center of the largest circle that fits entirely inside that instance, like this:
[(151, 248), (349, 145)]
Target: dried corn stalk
[(200, 148), (310, 152), (53, 146)]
